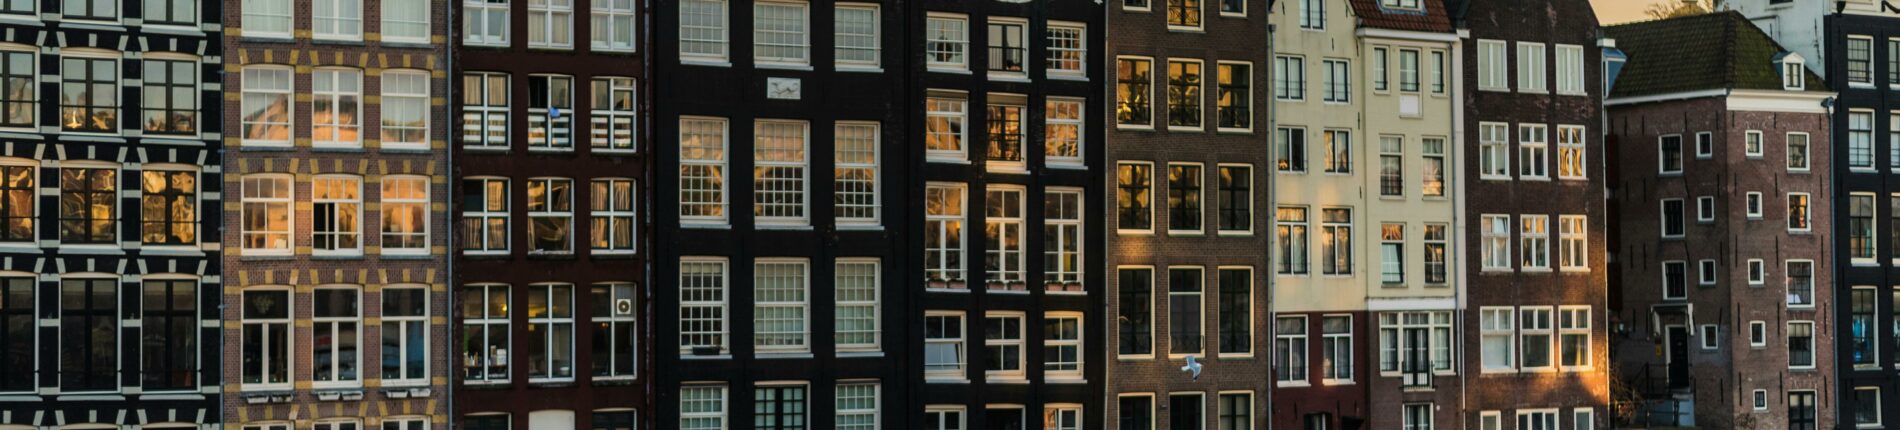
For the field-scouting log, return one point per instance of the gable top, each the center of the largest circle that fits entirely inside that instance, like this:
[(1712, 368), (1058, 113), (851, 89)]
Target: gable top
[(1430, 16), (1716, 51)]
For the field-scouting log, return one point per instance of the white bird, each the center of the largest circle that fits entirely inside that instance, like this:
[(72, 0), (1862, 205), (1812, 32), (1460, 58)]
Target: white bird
[(1192, 367)]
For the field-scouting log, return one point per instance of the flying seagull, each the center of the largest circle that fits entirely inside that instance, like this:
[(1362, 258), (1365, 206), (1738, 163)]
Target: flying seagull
[(1192, 368)]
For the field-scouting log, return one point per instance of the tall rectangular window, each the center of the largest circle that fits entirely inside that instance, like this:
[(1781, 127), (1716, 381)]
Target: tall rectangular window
[(1798, 212), (550, 215), (1009, 53), (1339, 156), (406, 21), (405, 328), (1184, 13), (612, 118), (1495, 248), (855, 173), (1533, 148), (703, 304), (947, 42), (1534, 232), (337, 215), (337, 19), (1062, 240), (339, 331), (1289, 75), (168, 203), (266, 212), (856, 35), (551, 24), (1570, 152), (1236, 410), (1797, 152), (945, 128), (1499, 347), (1860, 60), (779, 172), (1438, 72), (1494, 151), (89, 94), (1335, 347), (1336, 249), (1135, 324), (1184, 198), (484, 215), (1184, 92), (1534, 332), (702, 407), (1186, 410), (1184, 311), (1860, 140), (1236, 198), (171, 94), (1289, 350), (1669, 154), (548, 97), (1861, 313), (1006, 135), (89, 334), (611, 206), (702, 30), (1234, 96), (1236, 311), (1391, 165), (1493, 66), (169, 332), (1573, 337), (1860, 228), (1290, 148), (779, 31), (1570, 70), (1313, 14), (1436, 238), (1136, 412), (1063, 130), (485, 330), (1292, 235), (1134, 196), (1068, 49), (336, 108), (1062, 346), (857, 310), (1800, 344), (405, 215), (943, 235), (405, 109), (1675, 280), (943, 345), (265, 337), (261, 18), (1800, 276), (484, 110), (1003, 239), (1338, 85), (1408, 70), (1381, 66), (1433, 184), (1134, 91), (702, 173), (550, 332), (781, 305), (1573, 246), (1392, 254), (1674, 216), (1530, 67), (18, 91), (857, 403)]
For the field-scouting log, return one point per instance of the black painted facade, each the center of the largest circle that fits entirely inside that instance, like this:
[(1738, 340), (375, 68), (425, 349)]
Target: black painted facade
[(1876, 361)]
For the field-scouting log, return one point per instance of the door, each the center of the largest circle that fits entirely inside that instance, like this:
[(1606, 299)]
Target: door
[(1678, 356), (1801, 410)]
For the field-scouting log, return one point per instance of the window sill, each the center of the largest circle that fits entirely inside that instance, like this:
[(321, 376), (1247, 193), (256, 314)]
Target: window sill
[(1017, 77), (171, 250), (1234, 233), (688, 355), (705, 226), (1059, 76), (1234, 131), (756, 64), (860, 227), (963, 69), (941, 159), (782, 355), (929, 380), (857, 69), (781, 225), (860, 354), (91, 250), (1008, 380), (1064, 380), (708, 62), (1134, 127)]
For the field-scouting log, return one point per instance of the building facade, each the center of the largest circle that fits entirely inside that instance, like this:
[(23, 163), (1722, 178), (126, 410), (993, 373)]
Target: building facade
[(1724, 289), (551, 243), (1188, 271), (109, 154), (1536, 338), (791, 316), (339, 235)]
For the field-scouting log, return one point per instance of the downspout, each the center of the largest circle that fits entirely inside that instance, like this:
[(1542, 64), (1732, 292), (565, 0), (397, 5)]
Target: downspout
[(448, 257), (1462, 290), (1273, 216)]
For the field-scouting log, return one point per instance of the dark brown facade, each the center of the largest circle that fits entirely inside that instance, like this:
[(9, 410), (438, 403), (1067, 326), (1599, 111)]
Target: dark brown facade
[(1536, 323), (1189, 124), (551, 245)]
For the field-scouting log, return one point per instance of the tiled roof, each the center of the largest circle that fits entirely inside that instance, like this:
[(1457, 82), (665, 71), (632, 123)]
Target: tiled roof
[(1432, 18), (1703, 52)]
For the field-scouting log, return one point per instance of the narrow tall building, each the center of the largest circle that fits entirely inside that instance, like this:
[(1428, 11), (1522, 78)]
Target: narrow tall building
[(1187, 259), (1003, 230), (110, 189), (337, 235), (1534, 221), (550, 263), (1721, 142), (781, 205)]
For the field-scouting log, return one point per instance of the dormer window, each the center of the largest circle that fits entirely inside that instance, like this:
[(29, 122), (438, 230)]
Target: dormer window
[(1400, 4), (1793, 73)]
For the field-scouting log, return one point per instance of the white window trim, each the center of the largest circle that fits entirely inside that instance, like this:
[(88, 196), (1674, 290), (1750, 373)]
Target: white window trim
[(1505, 156), (803, 165), (1082, 32), (1873, 64), (1806, 150), (1662, 213), (1506, 332), (1500, 68), (1665, 279), (550, 211), (1351, 370), (803, 304), (723, 305), (1787, 281), (428, 11), (551, 321), (1583, 324), (1080, 223), (1081, 133), (1699, 154), (384, 201), (876, 303), (476, 11), (1755, 327), (1753, 205), (1487, 239), (1662, 156), (1251, 201), (723, 164), (1710, 334), (805, 29), (961, 155), (961, 373), (875, 167), (725, 402), (336, 94), (1200, 103), (360, 211), (552, 11), (247, 30), (1761, 144), (1200, 195), (1534, 240), (397, 380), (288, 92), (1531, 70), (1705, 272), (427, 117), (1081, 356), (1878, 416), (613, 216), (1153, 179), (961, 218), (1153, 340), (1808, 224), (877, 39), (1548, 330), (1581, 235), (723, 57), (1816, 359), (290, 337), (357, 319), (961, 67), (1753, 279), (345, 34)]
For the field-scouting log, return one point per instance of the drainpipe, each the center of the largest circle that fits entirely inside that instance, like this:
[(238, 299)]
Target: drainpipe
[(1462, 291), (1273, 217), (448, 255)]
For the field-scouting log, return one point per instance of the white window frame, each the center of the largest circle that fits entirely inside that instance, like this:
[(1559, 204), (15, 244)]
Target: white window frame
[(848, 394), (1534, 238), (399, 92), (1573, 243), (1758, 334), (341, 26), (845, 41), (290, 338), (1494, 146), (717, 412), (717, 165), (1757, 272), (1711, 336), (1753, 205), (1681, 224), (715, 35), (797, 43), (1754, 143), (1055, 116), (288, 201), (960, 249), (937, 105), (549, 209), (345, 89), (691, 310), (869, 298), (353, 203), (1570, 70), (948, 42), (488, 323), (1067, 233), (1704, 209), (549, 13), (1499, 323), (762, 162), (253, 87), (613, 128), (1073, 40), (1537, 321), (390, 200), (607, 20), (550, 320), (1496, 248), (1704, 145), (1575, 320), (606, 220), (1017, 340), (393, 322), (796, 297), (1807, 144), (254, 12), (337, 359), (852, 142), (1530, 68), (959, 374), (1788, 281), (1815, 357), (486, 213), (1339, 347), (1533, 149), (477, 14), (1494, 65), (1051, 342), (1807, 216)]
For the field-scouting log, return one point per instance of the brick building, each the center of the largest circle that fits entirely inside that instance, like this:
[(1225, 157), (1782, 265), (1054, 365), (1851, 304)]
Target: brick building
[(550, 245), (337, 234), (1188, 270), (1723, 284)]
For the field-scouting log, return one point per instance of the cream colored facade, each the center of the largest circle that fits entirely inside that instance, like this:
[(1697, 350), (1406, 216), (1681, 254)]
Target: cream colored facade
[(1303, 187), (1411, 121)]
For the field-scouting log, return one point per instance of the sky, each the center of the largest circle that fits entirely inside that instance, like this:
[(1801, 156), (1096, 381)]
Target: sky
[(1621, 11)]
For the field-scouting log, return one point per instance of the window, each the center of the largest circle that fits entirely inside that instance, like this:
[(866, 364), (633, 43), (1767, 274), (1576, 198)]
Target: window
[(1290, 147), (550, 215), (169, 332), (1433, 184), (1289, 350), (1133, 197), (1134, 91), (336, 108), (1704, 145), (405, 215), (1336, 348), (1861, 325), (702, 170), (1534, 232), (1573, 338), (405, 328), (1893, 125), (1184, 198), (1436, 238), (1185, 410), (1675, 280), (405, 108), (779, 407), (19, 100), (337, 424), (1673, 213), (1184, 92), (1705, 209), (947, 42), (1533, 147), (856, 36), (548, 97), (1573, 246), (943, 417), (266, 338), (702, 407), (702, 30), (1670, 161), (1530, 67), (1137, 412), (484, 215), (1381, 79), (703, 306), (611, 220), (855, 190), (1535, 334), (262, 18), (89, 334), (1236, 198), (1292, 236), (945, 128), (1062, 240), (1860, 228), (613, 115), (1338, 151), (1860, 60), (1438, 72), (1184, 13), (1537, 420), (267, 215), (1893, 62), (943, 235), (168, 203), (1392, 254), (1496, 247), (1757, 333), (1062, 345), (1570, 71), (1006, 134), (550, 332), (1760, 400), (1798, 212), (1408, 70), (778, 33), (1893, 217), (1003, 239), (1800, 276), (1392, 166), (1418, 416), (484, 110), (1009, 53), (1185, 311), (1494, 151), (338, 334), (89, 88), (1800, 344), (1135, 321), (1860, 140), (1234, 96), (1062, 138), (1495, 327), (90, 10), (1236, 411), (857, 404), (1752, 144), (1801, 410), (1754, 205), (779, 175), (1062, 417), (1233, 8), (1067, 49), (1415, 345), (88, 205), (550, 24), (857, 308), (1236, 311), (1336, 248), (485, 332), (405, 21), (1338, 85), (1493, 66), (171, 93), (1757, 272), (1290, 76), (1867, 407), (1797, 152), (943, 345), (781, 305), (1313, 14)]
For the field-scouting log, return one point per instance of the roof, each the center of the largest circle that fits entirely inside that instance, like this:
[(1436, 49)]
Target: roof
[(1432, 18), (1716, 51)]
